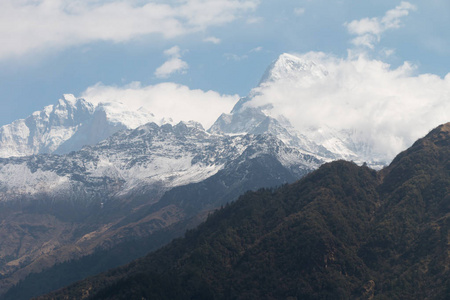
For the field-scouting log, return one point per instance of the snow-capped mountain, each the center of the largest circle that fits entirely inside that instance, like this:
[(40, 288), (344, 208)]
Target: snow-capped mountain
[(68, 126), (148, 157), (139, 174), (123, 161), (294, 69), (258, 113), (72, 123)]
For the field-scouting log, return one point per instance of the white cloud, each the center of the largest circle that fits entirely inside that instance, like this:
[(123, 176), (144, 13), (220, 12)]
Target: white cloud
[(235, 57), (387, 52), (175, 51), (254, 20), (257, 49), (212, 39), (299, 11), (392, 17), (166, 100), (387, 108), (368, 30), (173, 65), (32, 25)]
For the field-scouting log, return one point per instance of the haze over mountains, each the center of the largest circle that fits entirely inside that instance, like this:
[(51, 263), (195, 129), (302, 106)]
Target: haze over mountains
[(78, 177)]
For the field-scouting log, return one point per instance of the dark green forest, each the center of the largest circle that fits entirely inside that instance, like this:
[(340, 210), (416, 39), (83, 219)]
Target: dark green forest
[(342, 232)]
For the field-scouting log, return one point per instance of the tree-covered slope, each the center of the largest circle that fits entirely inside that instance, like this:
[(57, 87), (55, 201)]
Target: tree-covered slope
[(342, 232)]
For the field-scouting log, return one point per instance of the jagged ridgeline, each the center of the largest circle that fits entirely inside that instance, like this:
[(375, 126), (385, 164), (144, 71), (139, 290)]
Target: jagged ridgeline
[(342, 232)]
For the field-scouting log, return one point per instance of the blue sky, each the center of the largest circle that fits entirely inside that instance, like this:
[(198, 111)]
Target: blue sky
[(53, 47)]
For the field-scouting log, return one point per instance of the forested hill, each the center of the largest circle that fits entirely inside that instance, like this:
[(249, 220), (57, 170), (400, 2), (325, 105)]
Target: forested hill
[(342, 232)]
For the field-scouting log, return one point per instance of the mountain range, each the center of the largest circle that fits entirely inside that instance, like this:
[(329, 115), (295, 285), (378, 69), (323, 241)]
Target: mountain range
[(73, 123), (56, 207), (75, 160), (342, 232), (78, 179)]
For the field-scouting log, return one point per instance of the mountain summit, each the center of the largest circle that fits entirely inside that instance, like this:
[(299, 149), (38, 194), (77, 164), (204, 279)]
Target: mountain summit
[(259, 112), (67, 126), (44, 131), (293, 68)]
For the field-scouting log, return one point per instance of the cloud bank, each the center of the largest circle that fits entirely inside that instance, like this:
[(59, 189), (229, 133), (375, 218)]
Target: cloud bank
[(166, 100), (29, 25), (386, 108)]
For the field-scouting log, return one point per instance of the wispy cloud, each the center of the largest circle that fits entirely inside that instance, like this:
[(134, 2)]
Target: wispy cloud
[(299, 11), (212, 39), (257, 49), (368, 31), (173, 65), (254, 20), (387, 52), (235, 57), (166, 100), (41, 24)]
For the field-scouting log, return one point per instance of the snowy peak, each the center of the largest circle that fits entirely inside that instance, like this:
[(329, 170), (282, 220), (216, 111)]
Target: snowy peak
[(288, 70), (119, 114), (247, 118), (43, 131), (70, 112), (68, 125), (262, 112), (66, 112), (293, 68)]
